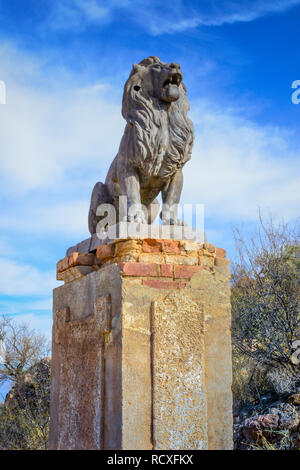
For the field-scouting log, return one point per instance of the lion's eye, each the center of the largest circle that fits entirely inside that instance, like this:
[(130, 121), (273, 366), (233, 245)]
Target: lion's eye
[(136, 88)]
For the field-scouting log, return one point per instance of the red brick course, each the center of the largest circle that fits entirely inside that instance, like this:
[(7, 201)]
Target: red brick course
[(220, 253), (160, 284), (81, 259), (183, 271), (104, 252), (151, 245), (166, 270), (140, 269), (171, 246)]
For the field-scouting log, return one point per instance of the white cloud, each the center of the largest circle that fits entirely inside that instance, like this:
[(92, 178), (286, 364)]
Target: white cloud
[(49, 129), (238, 166), (13, 307), (170, 16), (62, 219), (41, 323), (22, 279), (208, 14), (67, 14)]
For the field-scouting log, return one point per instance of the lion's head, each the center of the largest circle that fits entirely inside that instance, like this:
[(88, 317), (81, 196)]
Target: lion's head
[(155, 107)]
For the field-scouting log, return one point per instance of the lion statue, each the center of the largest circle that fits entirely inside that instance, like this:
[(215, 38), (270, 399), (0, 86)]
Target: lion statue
[(156, 144)]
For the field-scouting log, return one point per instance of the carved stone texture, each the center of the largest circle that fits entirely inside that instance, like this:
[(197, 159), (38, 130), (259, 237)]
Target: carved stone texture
[(142, 353), (179, 395), (81, 337)]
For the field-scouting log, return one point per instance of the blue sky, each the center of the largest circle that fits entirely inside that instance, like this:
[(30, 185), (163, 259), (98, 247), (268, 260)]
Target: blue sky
[(65, 62)]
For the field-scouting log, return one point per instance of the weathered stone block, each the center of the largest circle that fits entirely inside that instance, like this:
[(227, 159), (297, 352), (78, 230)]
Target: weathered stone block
[(182, 259), (171, 246), (151, 245), (166, 270), (127, 247), (152, 258), (179, 405), (189, 247), (185, 272), (105, 252), (73, 273), (140, 269), (142, 355), (81, 259), (160, 284), (220, 253)]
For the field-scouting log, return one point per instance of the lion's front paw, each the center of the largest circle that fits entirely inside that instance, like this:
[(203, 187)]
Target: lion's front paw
[(172, 221), (138, 218)]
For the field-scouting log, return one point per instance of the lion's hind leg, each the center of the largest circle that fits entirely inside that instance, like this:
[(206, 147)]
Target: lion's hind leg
[(153, 210), (100, 195)]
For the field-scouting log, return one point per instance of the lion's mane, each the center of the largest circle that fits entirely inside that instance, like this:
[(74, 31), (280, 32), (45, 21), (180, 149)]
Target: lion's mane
[(158, 138)]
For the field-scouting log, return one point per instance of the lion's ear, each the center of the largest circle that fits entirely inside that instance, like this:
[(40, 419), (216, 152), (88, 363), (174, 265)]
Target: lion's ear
[(136, 68)]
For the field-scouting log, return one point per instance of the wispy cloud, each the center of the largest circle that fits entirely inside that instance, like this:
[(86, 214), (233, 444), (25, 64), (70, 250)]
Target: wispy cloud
[(77, 14), (21, 279), (208, 14), (170, 16), (239, 166), (41, 322), (68, 14), (49, 128), (67, 218)]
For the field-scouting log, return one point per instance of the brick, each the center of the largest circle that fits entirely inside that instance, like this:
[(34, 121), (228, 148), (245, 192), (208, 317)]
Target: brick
[(220, 253), (73, 273), (127, 247), (160, 284), (152, 245), (166, 270), (209, 247), (171, 246), (105, 251), (222, 262), (206, 260), (206, 253), (182, 259), (181, 284), (185, 272), (140, 269), (189, 246), (152, 258), (124, 258), (62, 264), (81, 259)]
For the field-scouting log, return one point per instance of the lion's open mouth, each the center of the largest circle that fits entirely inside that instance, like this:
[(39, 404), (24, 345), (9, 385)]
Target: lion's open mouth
[(174, 79)]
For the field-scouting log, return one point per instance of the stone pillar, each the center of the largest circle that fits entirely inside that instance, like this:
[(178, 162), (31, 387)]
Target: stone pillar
[(142, 348)]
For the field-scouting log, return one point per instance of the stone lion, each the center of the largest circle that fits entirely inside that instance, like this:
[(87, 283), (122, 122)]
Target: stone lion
[(156, 144)]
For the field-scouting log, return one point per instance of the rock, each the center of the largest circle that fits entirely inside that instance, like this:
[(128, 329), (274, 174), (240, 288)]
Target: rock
[(294, 399), (289, 418), (274, 411), (279, 423), (259, 425)]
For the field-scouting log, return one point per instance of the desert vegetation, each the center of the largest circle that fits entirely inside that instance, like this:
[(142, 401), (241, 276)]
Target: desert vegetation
[(24, 415), (265, 330)]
